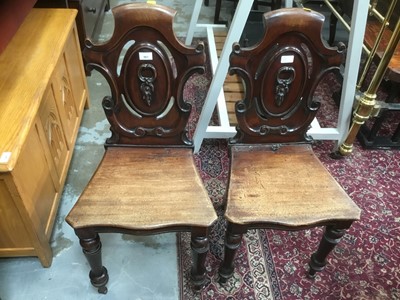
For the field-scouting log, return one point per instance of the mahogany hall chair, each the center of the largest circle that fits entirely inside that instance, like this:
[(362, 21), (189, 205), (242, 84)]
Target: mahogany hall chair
[(147, 182), (276, 181)]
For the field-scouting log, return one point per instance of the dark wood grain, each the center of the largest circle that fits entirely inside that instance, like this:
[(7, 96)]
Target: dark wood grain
[(280, 75), (162, 118), (144, 189)]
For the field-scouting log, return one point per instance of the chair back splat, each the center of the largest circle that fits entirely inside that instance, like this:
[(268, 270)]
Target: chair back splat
[(280, 74), (146, 106)]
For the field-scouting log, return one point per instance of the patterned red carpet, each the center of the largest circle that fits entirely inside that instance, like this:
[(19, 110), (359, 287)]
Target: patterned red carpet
[(273, 264)]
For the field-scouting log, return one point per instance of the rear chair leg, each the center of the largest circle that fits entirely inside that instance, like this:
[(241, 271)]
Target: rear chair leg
[(200, 246), (232, 243), (91, 246), (328, 242)]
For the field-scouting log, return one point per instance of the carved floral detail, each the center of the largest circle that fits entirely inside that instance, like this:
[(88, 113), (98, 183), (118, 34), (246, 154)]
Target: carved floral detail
[(284, 78), (147, 74)]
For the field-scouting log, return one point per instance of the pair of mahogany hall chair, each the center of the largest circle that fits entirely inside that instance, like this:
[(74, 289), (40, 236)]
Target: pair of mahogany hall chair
[(147, 182)]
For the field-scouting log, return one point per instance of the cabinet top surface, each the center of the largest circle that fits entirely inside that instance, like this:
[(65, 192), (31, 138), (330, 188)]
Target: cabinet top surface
[(26, 66)]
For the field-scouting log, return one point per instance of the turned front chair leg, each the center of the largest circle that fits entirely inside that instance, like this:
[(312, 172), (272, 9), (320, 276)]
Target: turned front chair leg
[(200, 246), (328, 242), (232, 243), (91, 246)]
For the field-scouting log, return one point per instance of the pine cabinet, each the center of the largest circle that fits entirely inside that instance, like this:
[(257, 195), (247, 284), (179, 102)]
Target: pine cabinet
[(43, 95)]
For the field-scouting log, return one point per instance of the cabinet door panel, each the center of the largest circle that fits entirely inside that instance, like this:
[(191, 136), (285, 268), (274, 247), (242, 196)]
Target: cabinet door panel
[(53, 133), (74, 64), (34, 181), (13, 233), (65, 101)]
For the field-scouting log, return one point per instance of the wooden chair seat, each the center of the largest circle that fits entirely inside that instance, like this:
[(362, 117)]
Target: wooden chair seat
[(274, 189), (151, 188)]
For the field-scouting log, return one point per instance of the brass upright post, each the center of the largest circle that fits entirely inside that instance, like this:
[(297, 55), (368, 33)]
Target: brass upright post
[(367, 101), (376, 44)]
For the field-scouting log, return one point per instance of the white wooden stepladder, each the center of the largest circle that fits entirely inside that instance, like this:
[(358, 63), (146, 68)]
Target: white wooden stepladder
[(215, 96)]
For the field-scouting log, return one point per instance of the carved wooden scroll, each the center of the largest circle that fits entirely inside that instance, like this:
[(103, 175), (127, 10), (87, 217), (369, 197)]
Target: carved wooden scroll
[(280, 75), (146, 68)]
